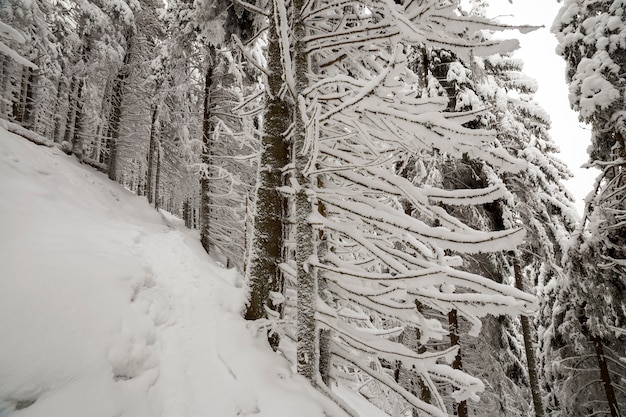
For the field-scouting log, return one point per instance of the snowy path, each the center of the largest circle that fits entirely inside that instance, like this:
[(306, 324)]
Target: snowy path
[(107, 309)]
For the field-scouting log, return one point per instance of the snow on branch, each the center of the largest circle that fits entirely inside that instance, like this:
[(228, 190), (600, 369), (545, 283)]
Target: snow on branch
[(420, 405), (247, 54), (374, 345), (251, 7), (387, 218), (281, 23), (4, 49), (352, 342), (467, 196)]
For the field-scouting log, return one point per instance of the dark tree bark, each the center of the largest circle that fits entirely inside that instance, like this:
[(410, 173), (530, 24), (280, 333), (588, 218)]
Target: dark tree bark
[(528, 346), (29, 99), (324, 336), (208, 126), (186, 212), (264, 274), (77, 138), (606, 377), (425, 394), (157, 177), (307, 353), (101, 139), (61, 84), (117, 102), (19, 102), (151, 151), (5, 105), (71, 111), (461, 408)]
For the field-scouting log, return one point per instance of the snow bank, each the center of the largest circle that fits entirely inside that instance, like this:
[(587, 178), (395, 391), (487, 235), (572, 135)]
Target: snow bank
[(108, 308)]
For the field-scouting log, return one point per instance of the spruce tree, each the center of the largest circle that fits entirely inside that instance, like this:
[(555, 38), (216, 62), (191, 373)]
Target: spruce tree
[(590, 308)]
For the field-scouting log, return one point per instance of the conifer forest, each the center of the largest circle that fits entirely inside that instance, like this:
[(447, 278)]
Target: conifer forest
[(221, 208)]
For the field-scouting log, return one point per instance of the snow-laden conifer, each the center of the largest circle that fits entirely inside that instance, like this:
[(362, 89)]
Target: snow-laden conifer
[(359, 110), (586, 333)]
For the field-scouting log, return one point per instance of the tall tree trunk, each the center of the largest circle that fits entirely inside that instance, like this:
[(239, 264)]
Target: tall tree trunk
[(5, 102), (117, 101), (606, 377), (157, 177), (102, 131), (95, 149), (306, 278), (247, 239), (56, 136), (528, 346), (186, 212), (264, 274), (425, 394), (29, 99), (19, 103), (77, 138), (151, 150), (321, 249), (461, 409), (71, 111), (207, 160)]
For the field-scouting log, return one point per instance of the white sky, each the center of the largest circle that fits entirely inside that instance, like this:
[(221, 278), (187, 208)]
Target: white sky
[(542, 63)]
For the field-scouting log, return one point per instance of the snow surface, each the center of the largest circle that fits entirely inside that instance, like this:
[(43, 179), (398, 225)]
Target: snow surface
[(109, 308)]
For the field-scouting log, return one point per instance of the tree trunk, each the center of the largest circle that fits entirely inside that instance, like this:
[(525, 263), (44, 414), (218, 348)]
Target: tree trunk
[(77, 138), (306, 278), (71, 111), (461, 409), (207, 160), (102, 129), (7, 63), (19, 103), (425, 394), (247, 238), (321, 247), (61, 84), (117, 98), (157, 177), (186, 212), (151, 150), (528, 346), (29, 99), (606, 377), (264, 273)]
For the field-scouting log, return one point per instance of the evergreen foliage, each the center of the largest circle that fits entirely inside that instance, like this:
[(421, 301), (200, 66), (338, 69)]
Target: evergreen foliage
[(585, 336)]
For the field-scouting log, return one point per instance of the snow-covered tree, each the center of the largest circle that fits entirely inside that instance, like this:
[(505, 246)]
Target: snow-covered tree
[(591, 38), (371, 241), (23, 64), (539, 199), (590, 307), (268, 247), (199, 35), (501, 96)]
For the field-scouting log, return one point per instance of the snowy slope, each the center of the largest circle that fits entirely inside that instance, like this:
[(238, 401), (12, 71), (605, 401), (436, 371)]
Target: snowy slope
[(108, 308)]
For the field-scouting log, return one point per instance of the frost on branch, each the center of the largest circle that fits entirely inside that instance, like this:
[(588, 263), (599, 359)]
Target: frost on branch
[(391, 245)]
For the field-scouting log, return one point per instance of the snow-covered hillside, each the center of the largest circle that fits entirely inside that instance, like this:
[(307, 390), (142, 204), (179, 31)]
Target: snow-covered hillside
[(108, 308)]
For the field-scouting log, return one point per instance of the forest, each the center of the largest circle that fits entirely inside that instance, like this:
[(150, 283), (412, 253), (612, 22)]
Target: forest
[(377, 172)]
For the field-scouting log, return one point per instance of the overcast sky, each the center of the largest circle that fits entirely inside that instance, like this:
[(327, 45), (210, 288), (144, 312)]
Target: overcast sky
[(542, 63)]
